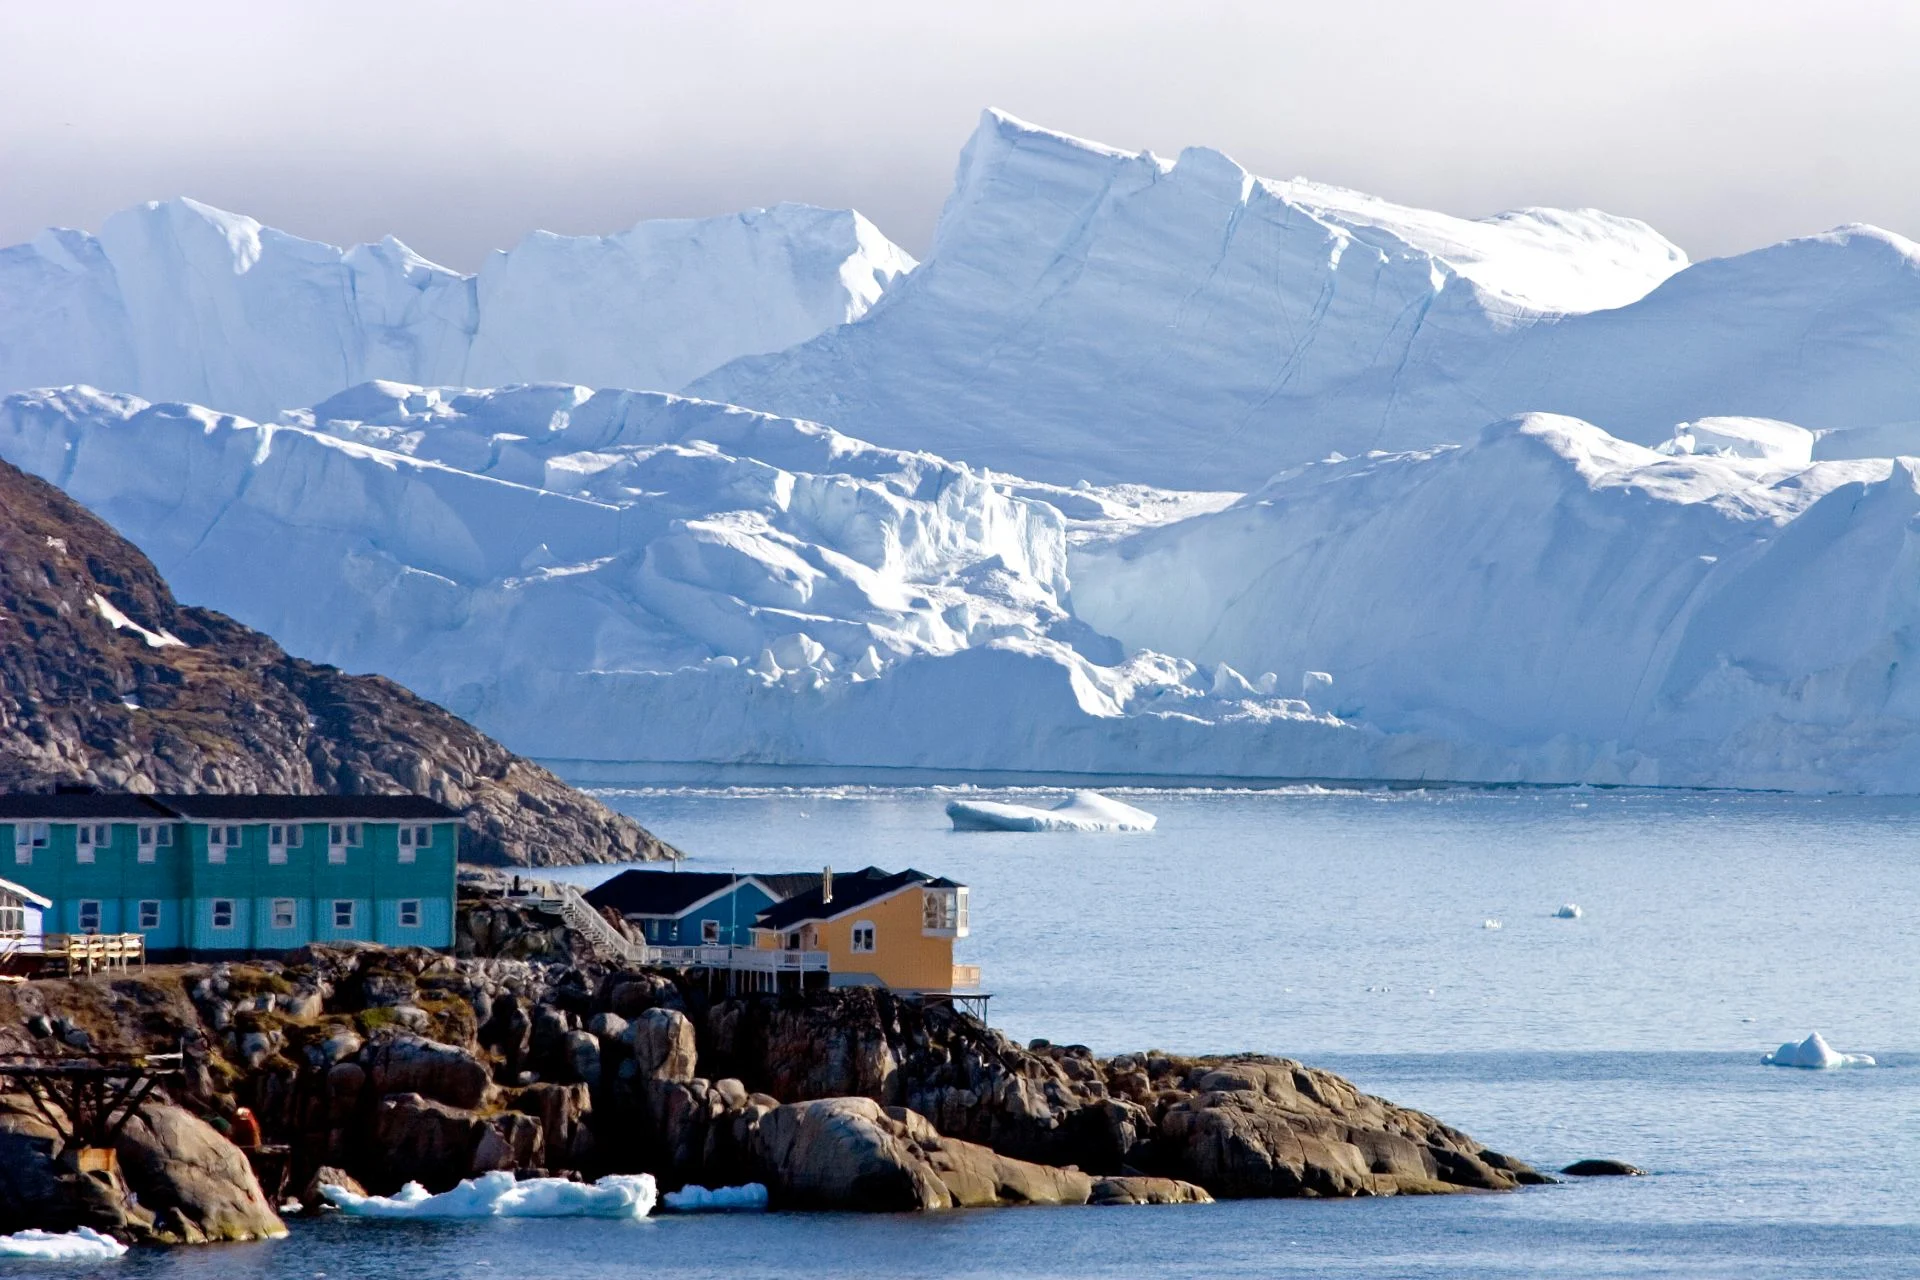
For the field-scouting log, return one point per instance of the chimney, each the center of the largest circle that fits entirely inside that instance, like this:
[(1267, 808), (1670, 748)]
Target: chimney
[(826, 886)]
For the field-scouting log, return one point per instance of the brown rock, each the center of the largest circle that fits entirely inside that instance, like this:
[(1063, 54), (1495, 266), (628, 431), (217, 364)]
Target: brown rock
[(415, 1064), (1141, 1190), (663, 1047), (312, 1198), (187, 1174), (420, 1140)]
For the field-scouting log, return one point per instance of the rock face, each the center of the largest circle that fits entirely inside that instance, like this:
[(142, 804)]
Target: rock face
[(106, 679), (393, 1065), (198, 1184)]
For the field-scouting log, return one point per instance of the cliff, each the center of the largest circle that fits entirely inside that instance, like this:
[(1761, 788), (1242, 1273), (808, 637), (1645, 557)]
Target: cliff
[(106, 679)]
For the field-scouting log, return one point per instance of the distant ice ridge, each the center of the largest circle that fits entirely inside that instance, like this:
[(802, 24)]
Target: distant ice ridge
[(634, 577), (177, 300), (1088, 312), (693, 1199), (498, 1195), (1081, 811), (1814, 1053), (83, 1244)]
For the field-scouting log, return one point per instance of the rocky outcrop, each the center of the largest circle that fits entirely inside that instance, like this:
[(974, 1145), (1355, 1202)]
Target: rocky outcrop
[(1145, 1190), (409, 1063), (850, 1153), (198, 1185), (87, 698)]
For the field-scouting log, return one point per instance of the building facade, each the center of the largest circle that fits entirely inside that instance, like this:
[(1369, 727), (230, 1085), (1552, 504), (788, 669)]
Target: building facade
[(878, 928), (216, 874)]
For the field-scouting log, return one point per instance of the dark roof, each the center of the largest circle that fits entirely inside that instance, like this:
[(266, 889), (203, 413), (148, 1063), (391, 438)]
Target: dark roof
[(229, 808), (68, 804), (643, 891), (787, 883), (853, 889)]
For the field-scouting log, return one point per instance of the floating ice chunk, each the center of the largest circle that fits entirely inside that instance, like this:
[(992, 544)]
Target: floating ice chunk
[(498, 1195), (1568, 911), (82, 1245), (1490, 923), (1082, 811), (1815, 1054), (717, 1200)]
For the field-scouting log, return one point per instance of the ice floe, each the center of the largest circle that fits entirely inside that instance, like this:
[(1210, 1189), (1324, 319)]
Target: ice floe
[(498, 1195), (82, 1245), (692, 1199), (1814, 1053), (1568, 911), (1082, 811)]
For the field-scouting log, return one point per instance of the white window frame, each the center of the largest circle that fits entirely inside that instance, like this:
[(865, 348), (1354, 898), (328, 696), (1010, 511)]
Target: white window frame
[(409, 851), (709, 932), (149, 913), (146, 837), (86, 907), (163, 835), (351, 912), (870, 939), (221, 906), (409, 907), (38, 834), (216, 849), (83, 849), (284, 908)]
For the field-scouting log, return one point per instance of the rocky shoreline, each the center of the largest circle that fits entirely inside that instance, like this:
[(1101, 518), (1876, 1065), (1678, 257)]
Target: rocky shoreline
[(375, 1067)]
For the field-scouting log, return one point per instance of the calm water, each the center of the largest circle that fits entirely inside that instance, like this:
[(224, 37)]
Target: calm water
[(1349, 929)]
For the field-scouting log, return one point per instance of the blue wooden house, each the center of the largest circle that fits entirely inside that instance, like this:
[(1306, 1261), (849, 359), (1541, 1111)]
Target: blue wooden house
[(675, 908)]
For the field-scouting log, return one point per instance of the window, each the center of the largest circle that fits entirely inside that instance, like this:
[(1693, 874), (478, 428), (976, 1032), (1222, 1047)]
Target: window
[(709, 931), (945, 911), (863, 936), (408, 851), (339, 836), (294, 831), (163, 836), (415, 837), (216, 846), (93, 837), (150, 913), (223, 913), (83, 848), (283, 916), (144, 841), (89, 916), (27, 837), (343, 913), (409, 913)]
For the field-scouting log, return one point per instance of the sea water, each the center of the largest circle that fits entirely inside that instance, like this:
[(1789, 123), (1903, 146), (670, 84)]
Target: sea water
[(1349, 929)]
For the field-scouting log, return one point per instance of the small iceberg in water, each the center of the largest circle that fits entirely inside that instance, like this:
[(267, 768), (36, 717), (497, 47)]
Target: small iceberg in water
[(691, 1199), (1815, 1054), (1568, 911), (1082, 811), (83, 1245), (498, 1195)]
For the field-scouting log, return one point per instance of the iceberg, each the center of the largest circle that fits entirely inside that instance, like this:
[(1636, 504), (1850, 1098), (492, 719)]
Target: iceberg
[(1814, 1053), (498, 1195), (83, 1244), (1082, 811), (178, 300), (693, 1199), (1568, 911)]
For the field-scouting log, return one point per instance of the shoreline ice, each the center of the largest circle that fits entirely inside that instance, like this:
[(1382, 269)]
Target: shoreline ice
[(499, 1195), (83, 1244)]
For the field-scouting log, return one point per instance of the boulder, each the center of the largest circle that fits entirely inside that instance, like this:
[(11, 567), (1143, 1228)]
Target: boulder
[(850, 1153), (583, 1056), (1603, 1169), (189, 1176), (311, 1197), (414, 1064), (1144, 1190), (420, 1140), (662, 1044)]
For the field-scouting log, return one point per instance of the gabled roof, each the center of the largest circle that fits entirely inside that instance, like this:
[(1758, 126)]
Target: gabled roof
[(644, 891), (82, 805), (25, 894), (785, 884), (230, 808), (850, 892)]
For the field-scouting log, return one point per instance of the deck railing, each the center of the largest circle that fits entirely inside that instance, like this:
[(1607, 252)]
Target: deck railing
[(966, 977), (86, 952)]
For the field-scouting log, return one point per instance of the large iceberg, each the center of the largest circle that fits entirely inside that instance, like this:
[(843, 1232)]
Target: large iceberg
[(177, 300), (1815, 1054), (83, 1244), (1090, 312), (499, 1195), (1081, 811)]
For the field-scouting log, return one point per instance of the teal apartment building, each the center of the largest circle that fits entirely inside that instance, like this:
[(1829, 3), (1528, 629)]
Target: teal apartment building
[(208, 875)]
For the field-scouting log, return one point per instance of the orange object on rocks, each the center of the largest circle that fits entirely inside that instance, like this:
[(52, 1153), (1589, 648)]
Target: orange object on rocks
[(246, 1129)]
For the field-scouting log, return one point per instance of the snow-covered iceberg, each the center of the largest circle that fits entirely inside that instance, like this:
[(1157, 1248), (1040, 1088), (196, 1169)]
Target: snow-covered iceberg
[(1814, 1053), (177, 300), (1098, 313), (1081, 811), (748, 1197), (498, 1195), (81, 1245)]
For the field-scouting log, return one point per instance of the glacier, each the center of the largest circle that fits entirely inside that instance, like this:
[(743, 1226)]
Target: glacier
[(177, 300), (619, 577), (1092, 313)]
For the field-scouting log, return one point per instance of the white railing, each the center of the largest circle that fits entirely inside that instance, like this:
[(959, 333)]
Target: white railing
[(747, 959), (603, 938)]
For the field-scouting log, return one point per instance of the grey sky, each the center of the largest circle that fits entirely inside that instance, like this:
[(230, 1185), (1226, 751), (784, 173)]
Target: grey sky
[(459, 126)]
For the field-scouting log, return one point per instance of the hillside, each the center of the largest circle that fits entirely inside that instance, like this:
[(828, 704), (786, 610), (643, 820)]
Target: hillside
[(106, 679)]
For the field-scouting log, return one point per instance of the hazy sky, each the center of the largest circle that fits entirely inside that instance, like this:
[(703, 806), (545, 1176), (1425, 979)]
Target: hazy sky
[(459, 126)]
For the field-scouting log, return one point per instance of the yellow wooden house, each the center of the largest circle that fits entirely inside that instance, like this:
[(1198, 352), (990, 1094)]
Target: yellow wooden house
[(875, 928)]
